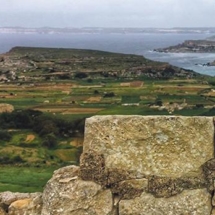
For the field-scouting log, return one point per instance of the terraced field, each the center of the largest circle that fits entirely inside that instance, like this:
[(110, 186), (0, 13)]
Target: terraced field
[(52, 91)]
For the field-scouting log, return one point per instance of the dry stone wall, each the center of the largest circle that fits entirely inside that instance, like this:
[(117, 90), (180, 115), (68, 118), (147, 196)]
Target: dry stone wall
[(132, 165)]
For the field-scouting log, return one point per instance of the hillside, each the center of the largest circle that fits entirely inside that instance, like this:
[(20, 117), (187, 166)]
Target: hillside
[(24, 64)]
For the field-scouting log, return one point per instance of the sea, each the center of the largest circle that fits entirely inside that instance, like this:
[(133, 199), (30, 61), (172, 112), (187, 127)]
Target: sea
[(129, 43)]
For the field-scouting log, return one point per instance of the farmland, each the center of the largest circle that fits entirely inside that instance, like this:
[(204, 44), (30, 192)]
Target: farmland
[(52, 91)]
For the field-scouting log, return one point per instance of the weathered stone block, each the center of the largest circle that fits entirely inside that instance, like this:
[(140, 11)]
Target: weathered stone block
[(19, 207), (151, 145), (21, 203), (167, 187), (2, 212), (130, 189), (213, 211), (66, 194), (192, 202)]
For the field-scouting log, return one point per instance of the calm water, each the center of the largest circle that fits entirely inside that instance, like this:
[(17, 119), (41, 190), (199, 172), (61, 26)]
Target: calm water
[(141, 44)]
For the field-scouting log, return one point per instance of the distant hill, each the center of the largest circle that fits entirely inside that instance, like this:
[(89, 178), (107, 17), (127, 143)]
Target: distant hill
[(192, 46), (35, 64)]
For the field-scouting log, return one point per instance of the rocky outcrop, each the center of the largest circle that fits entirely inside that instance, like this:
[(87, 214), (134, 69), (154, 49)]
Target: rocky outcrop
[(160, 165), (191, 46), (66, 194), (20, 203)]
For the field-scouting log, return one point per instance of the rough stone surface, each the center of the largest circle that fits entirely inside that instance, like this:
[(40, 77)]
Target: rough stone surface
[(151, 145), (66, 194), (209, 172), (19, 207), (29, 206), (130, 189), (7, 198), (167, 187), (213, 211), (2, 212), (192, 202), (93, 167)]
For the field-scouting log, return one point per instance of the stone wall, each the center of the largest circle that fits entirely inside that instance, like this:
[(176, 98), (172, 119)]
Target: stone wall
[(132, 165)]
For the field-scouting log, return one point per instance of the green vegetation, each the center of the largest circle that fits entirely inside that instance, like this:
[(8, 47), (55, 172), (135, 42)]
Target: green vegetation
[(54, 90), (24, 179)]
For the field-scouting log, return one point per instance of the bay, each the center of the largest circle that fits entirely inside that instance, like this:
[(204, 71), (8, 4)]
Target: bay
[(141, 44)]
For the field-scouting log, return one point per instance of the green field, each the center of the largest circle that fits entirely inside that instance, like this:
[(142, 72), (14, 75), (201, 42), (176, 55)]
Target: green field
[(24, 179), (61, 88)]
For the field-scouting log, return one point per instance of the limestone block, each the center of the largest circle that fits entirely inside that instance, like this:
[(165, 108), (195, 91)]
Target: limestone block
[(209, 173), (213, 211), (167, 187), (2, 212), (19, 207), (192, 202), (151, 145), (66, 194), (29, 206), (130, 189), (8, 197)]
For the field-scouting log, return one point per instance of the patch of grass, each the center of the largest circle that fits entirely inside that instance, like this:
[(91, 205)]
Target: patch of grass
[(24, 179), (190, 112), (132, 110), (130, 99)]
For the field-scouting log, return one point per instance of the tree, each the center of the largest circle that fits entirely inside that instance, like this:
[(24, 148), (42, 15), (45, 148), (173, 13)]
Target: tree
[(158, 102), (50, 141), (81, 75), (5, 135), (111, 94), (46, 127)]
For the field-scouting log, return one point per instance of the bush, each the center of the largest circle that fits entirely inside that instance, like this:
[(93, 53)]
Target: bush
[(81, 75), (199, 106), (5, 135), (50, 141), (95, 92), (7, 159), (111, 94), (158, 102)]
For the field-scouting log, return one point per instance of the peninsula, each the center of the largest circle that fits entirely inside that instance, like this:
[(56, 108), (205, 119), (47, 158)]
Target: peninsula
[(191, 46)]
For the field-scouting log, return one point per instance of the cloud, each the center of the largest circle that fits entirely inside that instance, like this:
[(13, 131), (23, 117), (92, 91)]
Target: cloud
[(125, 13)]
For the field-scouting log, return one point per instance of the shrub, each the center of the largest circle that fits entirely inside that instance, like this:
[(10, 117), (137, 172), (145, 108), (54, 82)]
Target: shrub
[(111, 94), (50, 141), (81, 75), (5, 135)]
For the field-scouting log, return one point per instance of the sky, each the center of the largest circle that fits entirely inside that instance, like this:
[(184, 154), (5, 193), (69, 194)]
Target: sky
[(107, 13)]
